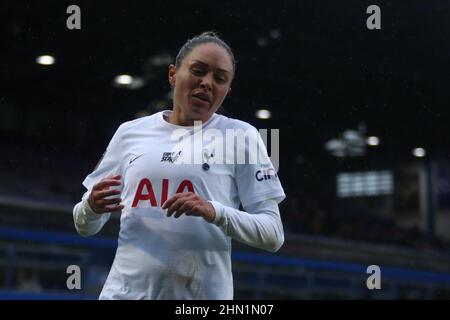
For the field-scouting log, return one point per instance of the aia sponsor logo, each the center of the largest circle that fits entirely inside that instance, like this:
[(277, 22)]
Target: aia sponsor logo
[(145, 192)]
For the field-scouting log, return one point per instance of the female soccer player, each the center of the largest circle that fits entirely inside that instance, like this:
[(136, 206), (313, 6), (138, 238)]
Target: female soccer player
[(178, 193)]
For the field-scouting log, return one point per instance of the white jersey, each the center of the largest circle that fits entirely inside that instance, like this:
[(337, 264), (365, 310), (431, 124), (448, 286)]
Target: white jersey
[(185, 258)]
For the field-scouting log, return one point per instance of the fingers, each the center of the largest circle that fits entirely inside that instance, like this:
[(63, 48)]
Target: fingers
[(187, 203), (105, 202), (169, 202), (107, 193), (108, 182), (175, 206), (114, 208), (98, 199), (106, 205), (174, 203), (190, 204), (184, 208)]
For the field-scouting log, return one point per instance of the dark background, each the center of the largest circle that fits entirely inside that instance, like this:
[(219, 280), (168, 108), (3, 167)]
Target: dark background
[(314, 64), (324, 73)]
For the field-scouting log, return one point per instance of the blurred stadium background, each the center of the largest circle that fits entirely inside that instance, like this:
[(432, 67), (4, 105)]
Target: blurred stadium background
[(363, 118)]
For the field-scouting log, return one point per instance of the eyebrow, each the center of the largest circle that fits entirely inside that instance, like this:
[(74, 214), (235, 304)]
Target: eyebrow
[(206, 65)]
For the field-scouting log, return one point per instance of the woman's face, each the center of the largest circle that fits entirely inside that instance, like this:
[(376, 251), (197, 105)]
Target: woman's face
[(201, 82)]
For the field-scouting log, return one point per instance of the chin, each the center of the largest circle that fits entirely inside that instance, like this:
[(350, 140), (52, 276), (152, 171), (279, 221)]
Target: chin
[(195, 109)]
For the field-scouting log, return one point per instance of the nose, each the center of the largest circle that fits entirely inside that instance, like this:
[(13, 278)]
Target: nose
[(206, 81)]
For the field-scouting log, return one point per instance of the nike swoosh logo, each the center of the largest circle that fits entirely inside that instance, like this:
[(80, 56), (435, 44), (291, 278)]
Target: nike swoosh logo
[(135, 158)]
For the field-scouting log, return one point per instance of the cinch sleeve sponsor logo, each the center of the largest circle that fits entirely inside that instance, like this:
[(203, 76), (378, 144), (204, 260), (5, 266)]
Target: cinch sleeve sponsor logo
[(266, 174)]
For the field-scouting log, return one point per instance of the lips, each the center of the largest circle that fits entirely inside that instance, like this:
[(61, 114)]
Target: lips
[(202, 96)]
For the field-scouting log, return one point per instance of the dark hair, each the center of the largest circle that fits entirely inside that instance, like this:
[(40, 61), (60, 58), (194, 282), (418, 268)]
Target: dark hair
[(205, 37)]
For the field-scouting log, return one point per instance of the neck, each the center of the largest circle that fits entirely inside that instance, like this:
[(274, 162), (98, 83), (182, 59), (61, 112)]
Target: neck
[(179, 119)]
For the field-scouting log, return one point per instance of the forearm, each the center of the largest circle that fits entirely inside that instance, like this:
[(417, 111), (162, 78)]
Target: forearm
[(260, 227), (87, 222)]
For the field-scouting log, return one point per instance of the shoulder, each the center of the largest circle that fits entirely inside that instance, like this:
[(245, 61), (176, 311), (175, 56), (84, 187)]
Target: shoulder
[(243, 132), (231, 123), (137, 123)]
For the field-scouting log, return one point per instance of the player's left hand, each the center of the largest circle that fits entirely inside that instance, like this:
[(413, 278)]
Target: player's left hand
[(191, 205)]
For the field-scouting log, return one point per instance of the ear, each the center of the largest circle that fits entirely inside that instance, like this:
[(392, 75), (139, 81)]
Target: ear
[(172, 75)]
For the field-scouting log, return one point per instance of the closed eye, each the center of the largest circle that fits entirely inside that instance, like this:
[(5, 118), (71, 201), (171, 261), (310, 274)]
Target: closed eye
[(220, 76), (197, 71), (221, 79)]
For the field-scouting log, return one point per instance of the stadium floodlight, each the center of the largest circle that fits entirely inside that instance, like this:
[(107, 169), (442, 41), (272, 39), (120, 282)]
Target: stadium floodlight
[(263, 114), (373, 141), (419, 152), (123, 79), (45, 60), (129, 82)]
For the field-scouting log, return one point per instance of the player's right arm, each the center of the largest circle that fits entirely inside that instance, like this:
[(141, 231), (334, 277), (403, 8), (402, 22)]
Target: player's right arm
[(103, 187), (94, 211)]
